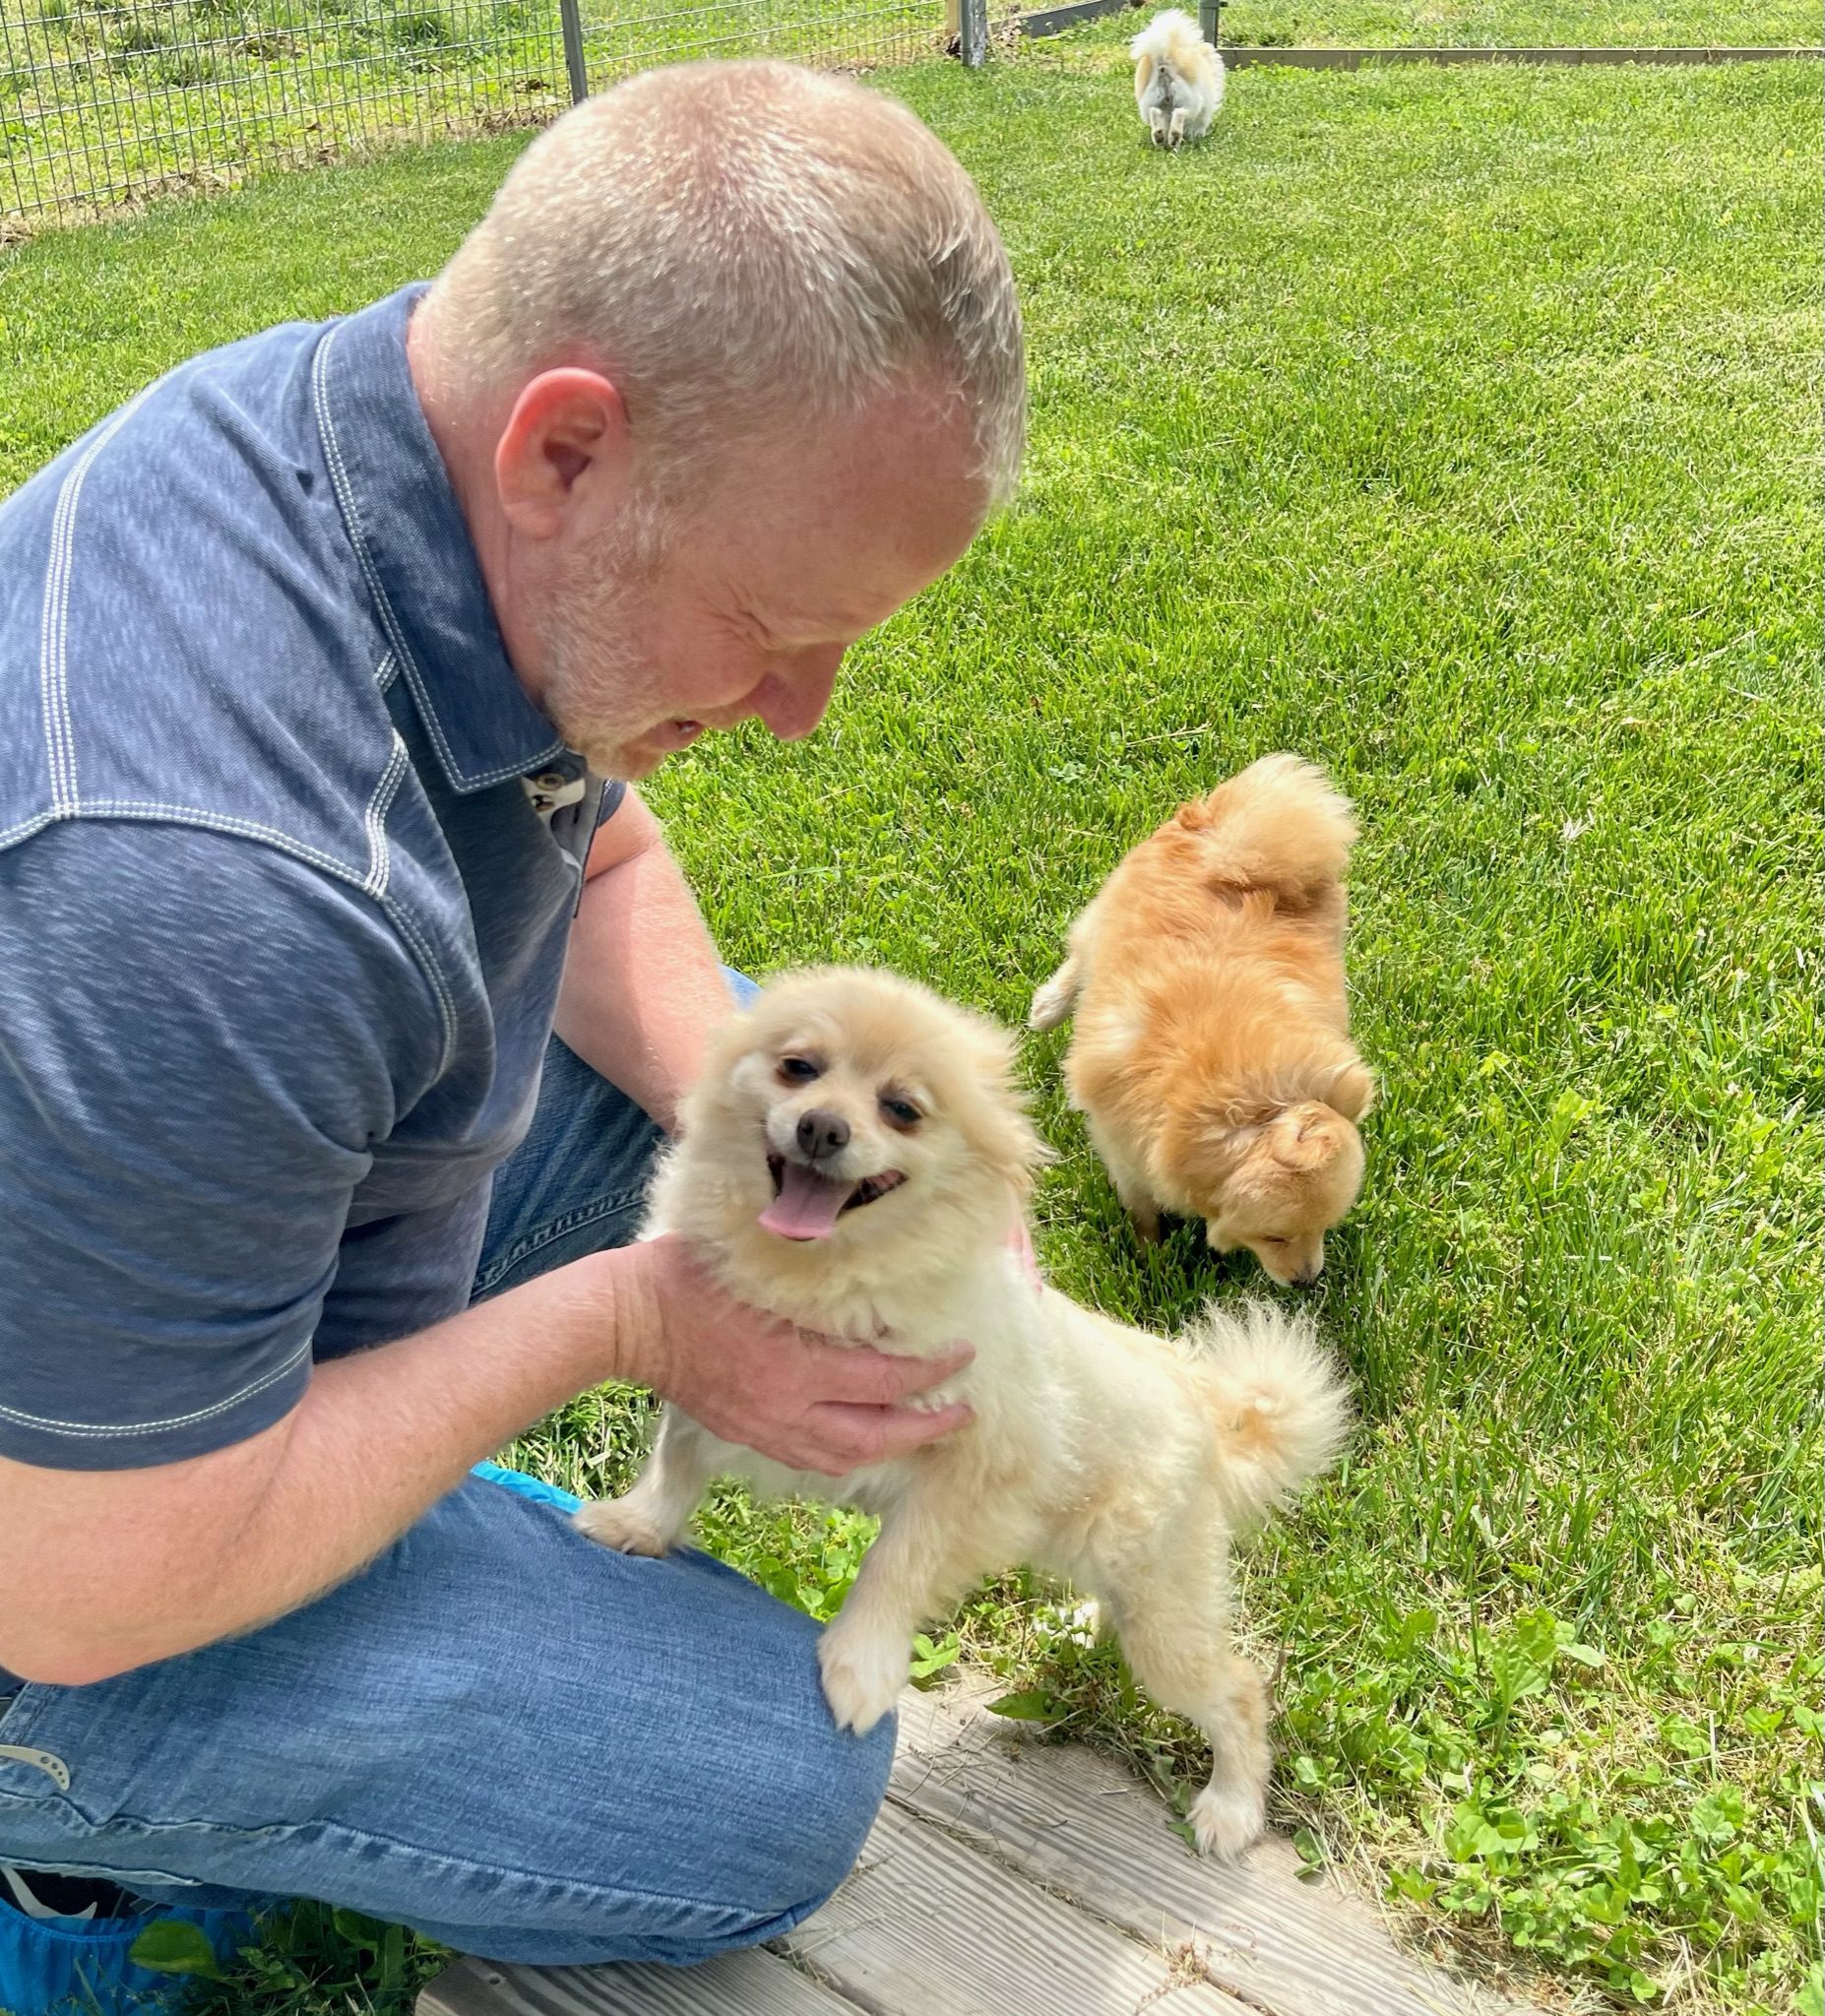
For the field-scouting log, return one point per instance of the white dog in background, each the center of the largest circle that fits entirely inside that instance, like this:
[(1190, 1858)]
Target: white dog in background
[(1178, 79), (854, 1160)]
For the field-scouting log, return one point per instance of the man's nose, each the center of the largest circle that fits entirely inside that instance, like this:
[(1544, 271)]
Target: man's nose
[(790, 703)]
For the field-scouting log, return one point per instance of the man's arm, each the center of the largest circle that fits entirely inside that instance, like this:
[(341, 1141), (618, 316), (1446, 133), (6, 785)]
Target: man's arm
[(642, 985), (201, 1041), (135, 1565)]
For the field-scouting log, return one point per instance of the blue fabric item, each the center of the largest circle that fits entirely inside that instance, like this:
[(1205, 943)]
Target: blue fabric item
[(499, 1733), (286, 884), (533, 1488), (84, 1970)]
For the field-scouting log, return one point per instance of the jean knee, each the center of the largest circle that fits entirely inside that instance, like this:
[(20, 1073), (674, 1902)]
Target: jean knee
[(851, 1785), (794, 1816)]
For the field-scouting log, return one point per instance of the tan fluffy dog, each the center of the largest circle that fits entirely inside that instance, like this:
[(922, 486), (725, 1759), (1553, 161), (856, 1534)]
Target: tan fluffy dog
[(854, 1160), (1210, 1055)]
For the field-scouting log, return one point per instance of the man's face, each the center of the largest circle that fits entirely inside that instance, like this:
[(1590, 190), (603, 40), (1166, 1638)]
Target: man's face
[(745, 610)]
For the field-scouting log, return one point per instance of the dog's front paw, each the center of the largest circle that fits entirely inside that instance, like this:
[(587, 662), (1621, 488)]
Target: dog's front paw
[(862, 1677), (1227, 1822), (619, 1523)]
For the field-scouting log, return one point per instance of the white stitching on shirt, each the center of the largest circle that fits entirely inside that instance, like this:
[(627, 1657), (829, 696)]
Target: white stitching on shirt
[(223, 822), (374, 819), (27, 827), (352, 515), (55, 620), (407, 926), (176, 1420), (352, 510)]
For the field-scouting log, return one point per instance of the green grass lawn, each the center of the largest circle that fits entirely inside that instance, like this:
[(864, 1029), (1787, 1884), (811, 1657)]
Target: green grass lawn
[(1512, 24), (1460, 431), (115, 101)]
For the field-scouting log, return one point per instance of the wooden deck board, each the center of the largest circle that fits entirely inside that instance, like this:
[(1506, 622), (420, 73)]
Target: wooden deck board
[(750, 1983), (926, 1926), (1083, 1826), (1014, 1878)]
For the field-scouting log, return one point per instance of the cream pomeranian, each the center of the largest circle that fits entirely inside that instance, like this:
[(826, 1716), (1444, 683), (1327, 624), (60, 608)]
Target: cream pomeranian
[(854, 1160), (1211, 1054), (1177, 78)]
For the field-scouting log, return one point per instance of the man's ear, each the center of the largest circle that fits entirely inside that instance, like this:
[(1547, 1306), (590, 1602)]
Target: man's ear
[(565, 448)]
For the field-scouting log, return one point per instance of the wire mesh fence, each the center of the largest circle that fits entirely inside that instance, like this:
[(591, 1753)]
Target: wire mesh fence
[(107, 101)]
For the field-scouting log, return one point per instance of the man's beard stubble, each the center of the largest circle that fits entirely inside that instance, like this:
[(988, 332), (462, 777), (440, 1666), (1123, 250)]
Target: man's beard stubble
[(599, 689)]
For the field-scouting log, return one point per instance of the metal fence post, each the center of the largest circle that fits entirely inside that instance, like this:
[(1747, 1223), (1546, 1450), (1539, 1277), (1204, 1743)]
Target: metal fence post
[(570, 14), (1209, 20), (973, 32)]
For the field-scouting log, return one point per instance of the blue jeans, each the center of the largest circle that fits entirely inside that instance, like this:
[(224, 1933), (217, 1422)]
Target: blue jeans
[(500, 1734)]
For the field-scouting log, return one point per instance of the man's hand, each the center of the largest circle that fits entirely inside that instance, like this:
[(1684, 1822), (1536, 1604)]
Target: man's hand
[(797, 1398)]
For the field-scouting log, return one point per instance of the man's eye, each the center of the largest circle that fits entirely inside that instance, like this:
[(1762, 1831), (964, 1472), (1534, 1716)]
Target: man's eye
[(799, 1070), (902, 1111)]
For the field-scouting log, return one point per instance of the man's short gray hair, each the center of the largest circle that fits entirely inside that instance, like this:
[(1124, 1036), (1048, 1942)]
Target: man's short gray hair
[(743, 247)]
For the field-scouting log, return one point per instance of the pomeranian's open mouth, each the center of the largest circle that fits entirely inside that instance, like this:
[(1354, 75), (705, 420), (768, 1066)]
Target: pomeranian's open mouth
[(807, 1206)]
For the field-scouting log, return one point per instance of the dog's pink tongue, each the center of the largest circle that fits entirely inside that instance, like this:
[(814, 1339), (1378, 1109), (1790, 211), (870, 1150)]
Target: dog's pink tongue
[(808, 1205)]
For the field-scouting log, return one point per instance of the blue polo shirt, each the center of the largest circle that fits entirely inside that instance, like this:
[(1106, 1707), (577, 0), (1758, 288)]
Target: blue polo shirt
[(287, 866)]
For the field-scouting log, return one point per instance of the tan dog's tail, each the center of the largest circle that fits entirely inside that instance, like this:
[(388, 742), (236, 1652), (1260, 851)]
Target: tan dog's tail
[(1279, 825), (1277, 1401)]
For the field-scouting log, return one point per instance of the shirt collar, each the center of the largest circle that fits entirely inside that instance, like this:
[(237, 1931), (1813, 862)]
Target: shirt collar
[(409, 534)]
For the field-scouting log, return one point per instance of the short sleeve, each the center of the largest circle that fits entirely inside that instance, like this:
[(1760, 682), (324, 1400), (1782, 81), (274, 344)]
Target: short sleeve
[(201, 1041)]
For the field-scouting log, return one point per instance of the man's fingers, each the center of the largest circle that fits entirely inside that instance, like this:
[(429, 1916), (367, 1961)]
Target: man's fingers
[(850, 1436), (861, 1376), (911, 1427)]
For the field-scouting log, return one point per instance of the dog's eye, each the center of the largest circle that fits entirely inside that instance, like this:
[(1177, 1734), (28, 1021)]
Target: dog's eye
[(902, 1112), (799, 1070)]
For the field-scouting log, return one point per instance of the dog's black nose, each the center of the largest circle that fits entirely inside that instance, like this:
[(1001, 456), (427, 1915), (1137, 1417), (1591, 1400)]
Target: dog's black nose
[(1306, 1278), (822, 1133)]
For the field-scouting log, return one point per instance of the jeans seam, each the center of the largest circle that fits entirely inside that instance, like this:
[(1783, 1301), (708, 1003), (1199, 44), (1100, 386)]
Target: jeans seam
[(555, 1229), (552, 1888)]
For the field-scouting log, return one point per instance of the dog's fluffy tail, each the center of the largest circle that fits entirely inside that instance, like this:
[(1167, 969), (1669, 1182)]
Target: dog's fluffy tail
[(1172, 37), (1278, 825), (1276, 1400)]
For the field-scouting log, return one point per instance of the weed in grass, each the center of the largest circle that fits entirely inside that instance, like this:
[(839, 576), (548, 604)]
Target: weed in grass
[(138, 34), (309, 1959), (187, 69), (418, 28)]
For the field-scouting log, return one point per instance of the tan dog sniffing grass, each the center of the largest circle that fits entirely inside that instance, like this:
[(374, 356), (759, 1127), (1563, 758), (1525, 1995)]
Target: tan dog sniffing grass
[(1210, 1055), (852, 1160)]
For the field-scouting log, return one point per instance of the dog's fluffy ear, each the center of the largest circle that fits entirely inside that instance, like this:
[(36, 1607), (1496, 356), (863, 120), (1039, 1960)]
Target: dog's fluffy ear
[(997, 1124), (1308, 1136)]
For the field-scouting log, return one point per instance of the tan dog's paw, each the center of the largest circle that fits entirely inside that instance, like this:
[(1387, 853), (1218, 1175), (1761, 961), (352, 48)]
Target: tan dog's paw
[(617, 1524), (1227, 1822), (862, 1677)]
